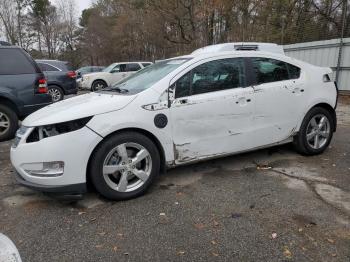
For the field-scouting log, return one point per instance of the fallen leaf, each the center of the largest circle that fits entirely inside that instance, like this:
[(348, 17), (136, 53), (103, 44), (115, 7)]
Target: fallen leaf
[(274, 235), (334, 255), (263, 167), (162, 214), (102, 233), (176, 203), (81, 213), (214, 242), (98, 246), (115, 248), (216, 223), (287, 253), (300, 230), (330, 240), (126, 254), (215, 254), (181, 252), (199, 226)]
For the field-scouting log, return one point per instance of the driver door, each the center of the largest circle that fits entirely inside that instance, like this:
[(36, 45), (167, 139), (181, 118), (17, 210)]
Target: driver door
[(212, 111), (117, 73)]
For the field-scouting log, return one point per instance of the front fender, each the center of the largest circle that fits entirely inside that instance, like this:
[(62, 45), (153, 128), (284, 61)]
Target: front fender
[(109, 123)]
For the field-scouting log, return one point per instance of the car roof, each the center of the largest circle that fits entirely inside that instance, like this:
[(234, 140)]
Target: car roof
[(9, 47), (241, 46)]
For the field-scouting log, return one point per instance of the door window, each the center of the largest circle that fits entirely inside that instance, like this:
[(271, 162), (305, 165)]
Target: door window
[(294, 71), (118, 68), (47, 68), (269, 70), (212, 76), (132, 67)]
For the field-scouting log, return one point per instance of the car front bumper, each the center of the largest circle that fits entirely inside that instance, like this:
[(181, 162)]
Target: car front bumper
[(73, 149)]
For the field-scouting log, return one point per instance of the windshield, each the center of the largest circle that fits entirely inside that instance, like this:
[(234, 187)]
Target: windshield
[(109, 68), (148, 76)]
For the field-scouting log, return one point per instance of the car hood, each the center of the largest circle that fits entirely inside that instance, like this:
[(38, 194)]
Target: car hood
[(78, 107)]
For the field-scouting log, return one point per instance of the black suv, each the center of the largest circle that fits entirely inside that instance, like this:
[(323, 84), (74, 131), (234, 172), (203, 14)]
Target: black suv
[(23, 89), (61, 79)]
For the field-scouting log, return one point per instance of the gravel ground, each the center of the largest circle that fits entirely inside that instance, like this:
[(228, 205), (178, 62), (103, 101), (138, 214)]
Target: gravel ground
[(269, 205)]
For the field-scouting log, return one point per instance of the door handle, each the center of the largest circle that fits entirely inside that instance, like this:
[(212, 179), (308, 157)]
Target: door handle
[(243, 100)]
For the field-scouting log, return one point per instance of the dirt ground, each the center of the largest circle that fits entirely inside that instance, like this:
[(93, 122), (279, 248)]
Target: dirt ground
[(269, 205)]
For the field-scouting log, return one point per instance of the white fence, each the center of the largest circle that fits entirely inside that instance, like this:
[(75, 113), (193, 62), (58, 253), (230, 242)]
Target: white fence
[(326, 53)]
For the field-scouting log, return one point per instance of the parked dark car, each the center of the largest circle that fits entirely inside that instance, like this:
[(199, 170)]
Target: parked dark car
[(88, 69), (61, 78), (23, 89)]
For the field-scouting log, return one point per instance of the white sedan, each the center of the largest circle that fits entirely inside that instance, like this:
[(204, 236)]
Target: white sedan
[(110, 75), (177, 111)]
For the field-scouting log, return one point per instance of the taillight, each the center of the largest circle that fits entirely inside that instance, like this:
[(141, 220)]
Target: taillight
[(72, 74), (42, 87)]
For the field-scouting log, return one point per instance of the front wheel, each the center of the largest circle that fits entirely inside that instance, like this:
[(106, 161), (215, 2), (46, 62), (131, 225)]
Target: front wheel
[(315, 133), (124, 166), (98, 85)]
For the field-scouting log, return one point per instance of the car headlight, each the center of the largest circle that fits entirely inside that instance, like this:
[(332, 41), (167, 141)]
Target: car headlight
[(19, 134), (46, 131)]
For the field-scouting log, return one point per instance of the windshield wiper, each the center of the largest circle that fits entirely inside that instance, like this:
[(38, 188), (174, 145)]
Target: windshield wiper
[(116, 89)]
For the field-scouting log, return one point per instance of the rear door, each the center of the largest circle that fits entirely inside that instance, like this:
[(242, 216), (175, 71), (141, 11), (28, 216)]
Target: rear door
[(278, 96), (212, 112)]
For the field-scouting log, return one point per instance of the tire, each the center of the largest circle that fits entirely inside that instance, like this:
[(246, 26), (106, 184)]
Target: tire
[(98, 85), (56, 93), (8, 123), (118, 181), (306, 142)]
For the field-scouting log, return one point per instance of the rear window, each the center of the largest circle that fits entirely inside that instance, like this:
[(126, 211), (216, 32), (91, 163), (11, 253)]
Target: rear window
[(15, 62), (47, 68)]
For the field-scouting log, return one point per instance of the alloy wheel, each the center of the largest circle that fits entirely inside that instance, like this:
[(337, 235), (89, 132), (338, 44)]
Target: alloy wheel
[(99, 86), (4, 123), (318, 131), (127, 167), (55, 94)]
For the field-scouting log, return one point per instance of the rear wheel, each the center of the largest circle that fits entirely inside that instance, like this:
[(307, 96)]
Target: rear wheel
[(98, 85), (316, 132), (124, 166), (8, 123), (56, 93)]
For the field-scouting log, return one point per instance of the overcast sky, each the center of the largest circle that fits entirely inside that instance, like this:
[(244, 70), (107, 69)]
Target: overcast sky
[(80, 4), (83, 4)]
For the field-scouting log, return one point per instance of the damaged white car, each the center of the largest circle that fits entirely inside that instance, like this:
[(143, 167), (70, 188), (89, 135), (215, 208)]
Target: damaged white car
[(209, 104)]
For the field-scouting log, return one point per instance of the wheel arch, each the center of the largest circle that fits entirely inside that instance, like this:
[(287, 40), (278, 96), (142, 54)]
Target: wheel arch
[(331, 110), (7, 102), (99, 79), (148, 134)]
